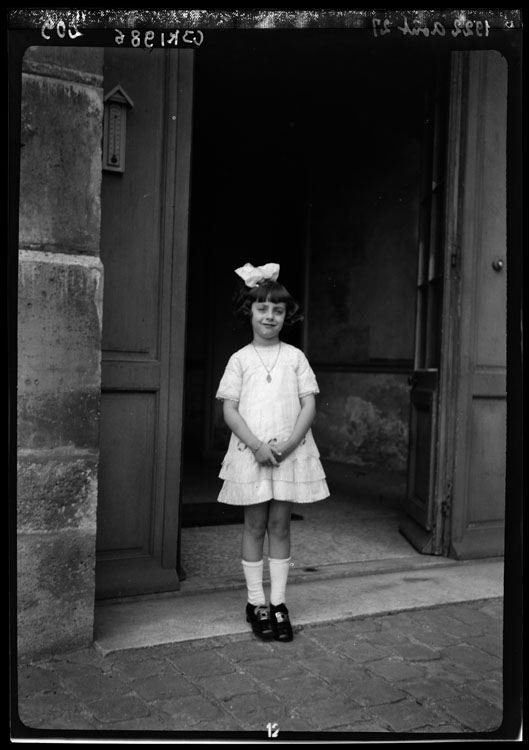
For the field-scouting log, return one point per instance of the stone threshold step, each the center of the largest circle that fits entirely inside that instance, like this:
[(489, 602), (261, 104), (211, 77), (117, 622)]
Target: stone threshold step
[(196, 585), (175, 618)]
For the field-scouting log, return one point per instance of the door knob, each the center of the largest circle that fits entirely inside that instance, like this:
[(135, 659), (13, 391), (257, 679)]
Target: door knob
[(497, 264)]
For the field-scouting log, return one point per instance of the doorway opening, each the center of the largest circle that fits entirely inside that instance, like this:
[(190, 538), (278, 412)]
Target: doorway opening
[(307, 152)]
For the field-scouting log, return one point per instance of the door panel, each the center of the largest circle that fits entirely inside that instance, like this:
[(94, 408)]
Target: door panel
[(144, 254), (131, 207), (128, 420), (487, 441)]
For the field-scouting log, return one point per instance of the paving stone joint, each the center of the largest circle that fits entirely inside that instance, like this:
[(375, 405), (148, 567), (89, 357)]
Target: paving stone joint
[(432, 671)]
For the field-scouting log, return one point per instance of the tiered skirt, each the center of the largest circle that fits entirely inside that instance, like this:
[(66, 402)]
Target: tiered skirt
[(299, 478)]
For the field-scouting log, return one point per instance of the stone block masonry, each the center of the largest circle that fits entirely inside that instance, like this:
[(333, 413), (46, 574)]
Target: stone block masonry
[(58, 414), (60, 288)]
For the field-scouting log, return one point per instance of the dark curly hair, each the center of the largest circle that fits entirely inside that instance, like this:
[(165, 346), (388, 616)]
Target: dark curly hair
[(268, 291)]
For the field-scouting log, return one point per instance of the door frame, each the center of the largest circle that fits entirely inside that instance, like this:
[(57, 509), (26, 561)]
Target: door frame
[(174, 285), (449, 366)]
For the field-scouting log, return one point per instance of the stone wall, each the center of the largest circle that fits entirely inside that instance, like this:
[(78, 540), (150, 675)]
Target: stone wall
[(59, 343)]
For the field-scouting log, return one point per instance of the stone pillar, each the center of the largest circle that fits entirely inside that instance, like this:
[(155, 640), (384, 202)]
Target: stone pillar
[(59, 347)]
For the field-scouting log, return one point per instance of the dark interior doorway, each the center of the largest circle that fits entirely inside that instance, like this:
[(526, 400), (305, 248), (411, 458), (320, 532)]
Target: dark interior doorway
[(307, 152)]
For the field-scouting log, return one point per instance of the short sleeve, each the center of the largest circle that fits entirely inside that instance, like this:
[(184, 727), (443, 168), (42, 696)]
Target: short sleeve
[(231, 382), (307, 382)]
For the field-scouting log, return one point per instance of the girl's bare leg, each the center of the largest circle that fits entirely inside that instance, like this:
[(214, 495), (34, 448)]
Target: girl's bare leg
[(255, 523), (279, 529)]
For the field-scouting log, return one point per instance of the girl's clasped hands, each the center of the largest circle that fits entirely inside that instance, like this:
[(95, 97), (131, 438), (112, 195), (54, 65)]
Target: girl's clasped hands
[(272, 453)]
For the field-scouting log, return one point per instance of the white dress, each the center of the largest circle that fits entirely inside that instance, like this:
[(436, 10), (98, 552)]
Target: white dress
[(270, 409)]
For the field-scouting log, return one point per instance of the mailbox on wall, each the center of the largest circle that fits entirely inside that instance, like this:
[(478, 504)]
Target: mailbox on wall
[(117, 102)]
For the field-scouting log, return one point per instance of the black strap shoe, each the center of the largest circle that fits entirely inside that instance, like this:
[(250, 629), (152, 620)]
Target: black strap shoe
[(280, 620), (259, 618)]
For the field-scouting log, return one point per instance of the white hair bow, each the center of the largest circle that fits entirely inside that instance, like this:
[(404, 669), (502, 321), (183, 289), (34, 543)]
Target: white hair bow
[(254, 276)]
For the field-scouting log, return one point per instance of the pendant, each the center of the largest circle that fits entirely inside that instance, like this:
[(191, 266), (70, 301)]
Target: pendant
[(269, 378)]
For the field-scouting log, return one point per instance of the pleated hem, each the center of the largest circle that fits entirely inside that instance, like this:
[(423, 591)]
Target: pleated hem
[(252, 493)]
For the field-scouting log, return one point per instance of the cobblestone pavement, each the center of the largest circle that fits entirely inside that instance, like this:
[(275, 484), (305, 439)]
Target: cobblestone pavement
[(436, 670)]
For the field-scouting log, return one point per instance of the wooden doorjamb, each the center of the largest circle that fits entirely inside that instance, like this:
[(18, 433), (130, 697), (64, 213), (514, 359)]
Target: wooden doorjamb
[(449, 368), (175, 227)]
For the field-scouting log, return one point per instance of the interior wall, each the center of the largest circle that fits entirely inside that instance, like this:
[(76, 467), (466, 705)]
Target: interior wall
[(363, 255), (307, 157), (363, 259)]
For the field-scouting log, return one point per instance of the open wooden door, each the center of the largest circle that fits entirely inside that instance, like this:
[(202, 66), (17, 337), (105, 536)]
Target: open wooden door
[(423, 524), (456, 482), (144, 254)]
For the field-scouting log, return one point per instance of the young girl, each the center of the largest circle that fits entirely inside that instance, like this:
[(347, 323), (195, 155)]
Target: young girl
[(268, 391)]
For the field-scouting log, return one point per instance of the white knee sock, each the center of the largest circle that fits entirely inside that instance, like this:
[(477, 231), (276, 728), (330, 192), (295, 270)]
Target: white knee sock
[(253, 573), (278, 580)]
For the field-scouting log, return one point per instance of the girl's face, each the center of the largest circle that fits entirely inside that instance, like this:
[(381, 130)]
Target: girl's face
[(267, 321)]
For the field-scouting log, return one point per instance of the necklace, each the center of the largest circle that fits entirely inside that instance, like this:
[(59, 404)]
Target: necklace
[(268, 369)]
